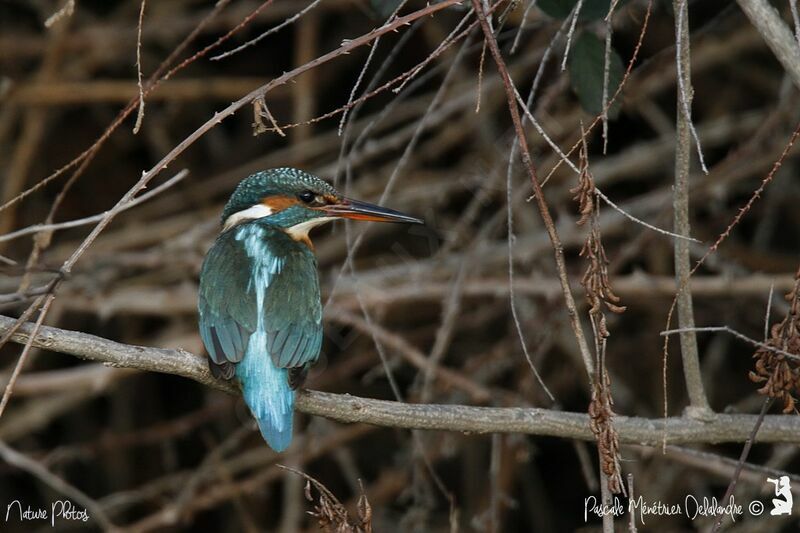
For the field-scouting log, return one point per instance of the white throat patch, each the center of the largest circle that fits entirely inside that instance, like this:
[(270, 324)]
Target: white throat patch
[(299, 232), (251, 213)]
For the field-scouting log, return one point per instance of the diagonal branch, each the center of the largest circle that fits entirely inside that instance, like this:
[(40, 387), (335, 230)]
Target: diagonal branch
[(38, 470), (544, 210), (776, 33), (218, 117)]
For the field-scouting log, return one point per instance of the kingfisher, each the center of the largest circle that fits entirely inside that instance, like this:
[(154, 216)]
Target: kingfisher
[(259, 305)]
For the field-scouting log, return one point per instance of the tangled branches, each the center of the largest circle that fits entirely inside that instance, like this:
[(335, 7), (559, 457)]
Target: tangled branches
[(331, 515)]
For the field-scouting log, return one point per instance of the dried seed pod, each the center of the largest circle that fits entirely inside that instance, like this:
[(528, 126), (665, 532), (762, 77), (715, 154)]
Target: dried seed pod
[(779, 373)]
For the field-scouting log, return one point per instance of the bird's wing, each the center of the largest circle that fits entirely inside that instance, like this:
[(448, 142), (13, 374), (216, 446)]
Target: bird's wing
[(227, 313), (260, 274)]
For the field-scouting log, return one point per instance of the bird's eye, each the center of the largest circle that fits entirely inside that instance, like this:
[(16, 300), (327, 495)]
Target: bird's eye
[(306, 196)]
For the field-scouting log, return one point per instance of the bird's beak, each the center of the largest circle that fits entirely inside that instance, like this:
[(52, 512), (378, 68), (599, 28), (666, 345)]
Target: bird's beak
[(358, 210)]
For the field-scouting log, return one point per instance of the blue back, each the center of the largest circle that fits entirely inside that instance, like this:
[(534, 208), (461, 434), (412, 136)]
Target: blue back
[(261, 314)]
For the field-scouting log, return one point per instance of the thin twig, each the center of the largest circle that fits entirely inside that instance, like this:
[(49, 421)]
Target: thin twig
[(740, 336), (510, 239), (35, 468), (631, 497), (639, 221), (531, 4), (390, 59), (420, 448), (618, 91), (446, 42), (444, 334), (683, 65), (606, 498), (95, 218), (544, 134), (23, 357), (544, 210), (153, 82), (140, 113), (742, 458), (511, 294), (419, 128), (480, 78), (767, 314), (64, 12), (363, 71), (251, 42), (574, 21), (607, 75)]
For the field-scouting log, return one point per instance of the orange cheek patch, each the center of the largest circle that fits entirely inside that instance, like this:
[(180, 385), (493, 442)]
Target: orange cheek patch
[(279, 202), (305, 240)]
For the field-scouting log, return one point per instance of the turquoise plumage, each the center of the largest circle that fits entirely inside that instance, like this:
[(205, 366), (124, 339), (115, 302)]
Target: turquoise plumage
[(273, 323), (259, 306)]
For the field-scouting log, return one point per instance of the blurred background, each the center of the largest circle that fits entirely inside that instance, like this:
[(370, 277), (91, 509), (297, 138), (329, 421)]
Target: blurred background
[(159, 451)]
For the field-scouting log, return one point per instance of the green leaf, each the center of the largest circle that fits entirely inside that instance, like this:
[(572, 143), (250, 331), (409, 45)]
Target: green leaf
[(586, 67), (590, 10)]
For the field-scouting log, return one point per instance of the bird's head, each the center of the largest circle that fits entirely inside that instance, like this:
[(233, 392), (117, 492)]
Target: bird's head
[(297, 201)]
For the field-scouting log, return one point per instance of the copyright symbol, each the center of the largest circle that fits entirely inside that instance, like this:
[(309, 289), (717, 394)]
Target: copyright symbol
[(756, 508)]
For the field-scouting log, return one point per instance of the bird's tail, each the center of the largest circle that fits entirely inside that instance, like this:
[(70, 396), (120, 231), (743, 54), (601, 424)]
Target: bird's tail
[(267, 393)]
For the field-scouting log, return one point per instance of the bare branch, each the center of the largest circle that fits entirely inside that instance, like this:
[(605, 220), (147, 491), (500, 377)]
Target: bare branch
[(23, 357), (345, 408), (531, 4), (740, 336), (152, 83), (683, 65), (769, 24), (680, 203), (639, 221), (64, 12), (267, 33), (13, 457), (544, 210), (742, 458), (96, 218), (576, 12), (140, 112), (795, 19)]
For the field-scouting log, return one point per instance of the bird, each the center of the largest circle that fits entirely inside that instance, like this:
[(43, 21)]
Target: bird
[(259, 305)]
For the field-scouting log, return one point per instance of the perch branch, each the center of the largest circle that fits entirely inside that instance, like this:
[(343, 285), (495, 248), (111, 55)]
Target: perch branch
[(351, 409)]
